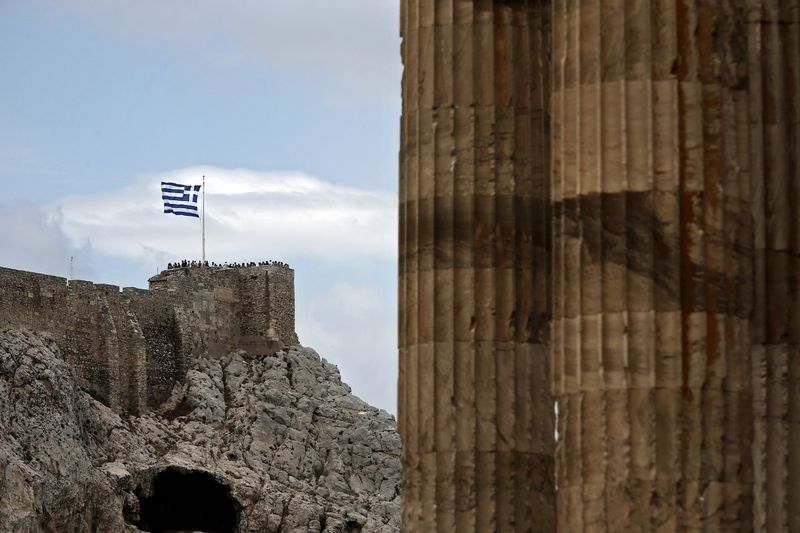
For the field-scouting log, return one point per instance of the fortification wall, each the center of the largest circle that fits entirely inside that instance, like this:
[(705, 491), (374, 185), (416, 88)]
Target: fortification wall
[(166, 359), (129, 347), (34, 300)]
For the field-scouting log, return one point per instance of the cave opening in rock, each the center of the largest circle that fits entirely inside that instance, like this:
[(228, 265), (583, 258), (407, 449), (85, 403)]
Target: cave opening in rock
[(187, 500)]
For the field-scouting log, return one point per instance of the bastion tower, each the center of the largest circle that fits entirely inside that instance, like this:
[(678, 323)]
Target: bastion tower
[(130, 346)]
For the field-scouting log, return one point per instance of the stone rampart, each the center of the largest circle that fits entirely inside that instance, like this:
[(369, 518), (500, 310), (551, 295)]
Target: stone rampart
[(129, 347)]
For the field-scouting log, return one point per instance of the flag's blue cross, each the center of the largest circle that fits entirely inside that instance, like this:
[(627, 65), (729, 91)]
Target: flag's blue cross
[(180, 199)]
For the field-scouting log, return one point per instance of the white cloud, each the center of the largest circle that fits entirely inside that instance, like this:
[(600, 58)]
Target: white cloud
[(356, 40), (250, 215), (29, 241)]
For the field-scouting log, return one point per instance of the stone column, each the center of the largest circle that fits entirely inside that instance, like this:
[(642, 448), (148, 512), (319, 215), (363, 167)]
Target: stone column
[(475, 409), (774, 31), (653, 257)]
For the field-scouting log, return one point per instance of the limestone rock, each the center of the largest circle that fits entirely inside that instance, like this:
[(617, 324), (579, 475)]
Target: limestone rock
[(282, 434)]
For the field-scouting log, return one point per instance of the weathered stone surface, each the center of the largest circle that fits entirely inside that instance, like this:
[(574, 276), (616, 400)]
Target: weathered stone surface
[(475, 409), (673, 200), (773, 29), (297, 450), (653, 255)]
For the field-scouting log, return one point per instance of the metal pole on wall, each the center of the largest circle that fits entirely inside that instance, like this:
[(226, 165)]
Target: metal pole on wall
[(204, 221)]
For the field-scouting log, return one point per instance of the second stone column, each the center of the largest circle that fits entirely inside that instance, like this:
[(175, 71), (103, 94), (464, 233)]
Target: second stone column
[(653, 265)]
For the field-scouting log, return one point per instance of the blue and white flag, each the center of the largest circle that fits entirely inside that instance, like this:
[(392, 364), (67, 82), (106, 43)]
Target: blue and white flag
[(180, 199)]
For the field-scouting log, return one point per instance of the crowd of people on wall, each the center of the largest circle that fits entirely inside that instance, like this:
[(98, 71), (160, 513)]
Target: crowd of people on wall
[(195, 264)]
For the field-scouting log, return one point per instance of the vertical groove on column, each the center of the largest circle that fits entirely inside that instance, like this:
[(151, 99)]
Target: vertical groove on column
[(777, 33), (427, 289), (746, 300), (738, 470), (485, 362), (523, 141), (729, 338), (639, 238), (776, 172), (693, 261), (464, 171), (710, 24), (590, 205), (737, 473), (503, 260), (416, 429), (758, 328), (557, 214), (408, 247), (556, 197), (522, 262), (614, 253), (777, 226), (534, 323), (571, 338), (538, 325), (543, 436), (792, 139), (666, 268), (791, 46), (443, 266)]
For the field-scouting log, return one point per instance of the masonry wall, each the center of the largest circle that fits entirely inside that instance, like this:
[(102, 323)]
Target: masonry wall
[(129, 347), (166, 354), (280, 298), (248, 308)]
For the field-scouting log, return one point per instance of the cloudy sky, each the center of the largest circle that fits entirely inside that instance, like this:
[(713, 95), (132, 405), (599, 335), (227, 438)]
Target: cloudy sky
[(290, 109)]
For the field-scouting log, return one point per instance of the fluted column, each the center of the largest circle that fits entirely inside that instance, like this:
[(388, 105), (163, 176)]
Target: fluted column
[(475, 410), (653, 253), (774, 32)]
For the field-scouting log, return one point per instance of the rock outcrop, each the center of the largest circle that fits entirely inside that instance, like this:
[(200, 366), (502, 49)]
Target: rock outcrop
[(269, 443)]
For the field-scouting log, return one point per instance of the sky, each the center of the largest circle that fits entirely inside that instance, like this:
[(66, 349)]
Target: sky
[(291, 111)]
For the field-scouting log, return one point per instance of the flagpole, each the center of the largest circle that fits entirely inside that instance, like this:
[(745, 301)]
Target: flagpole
[(204, 220)]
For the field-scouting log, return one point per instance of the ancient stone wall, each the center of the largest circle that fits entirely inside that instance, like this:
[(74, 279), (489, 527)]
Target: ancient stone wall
[(167, 356), (249, 307), (129, 347), (33, 299), (279, 289)]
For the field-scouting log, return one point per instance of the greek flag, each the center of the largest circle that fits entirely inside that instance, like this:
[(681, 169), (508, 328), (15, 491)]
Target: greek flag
[(180, 199)]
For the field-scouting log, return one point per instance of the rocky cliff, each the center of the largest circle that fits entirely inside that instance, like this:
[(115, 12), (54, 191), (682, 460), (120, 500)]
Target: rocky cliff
[(272, 443)]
